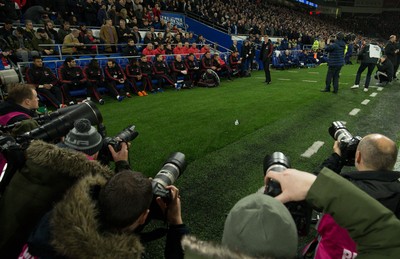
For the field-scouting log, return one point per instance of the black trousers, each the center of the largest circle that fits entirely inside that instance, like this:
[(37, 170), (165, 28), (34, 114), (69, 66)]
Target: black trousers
[(53, 95), (361, 69), (266, 70), (333, 75)]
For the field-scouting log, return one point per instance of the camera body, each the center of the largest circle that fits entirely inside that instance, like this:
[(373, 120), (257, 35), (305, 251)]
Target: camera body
[(126, 135), (347, 142), (300, 211)]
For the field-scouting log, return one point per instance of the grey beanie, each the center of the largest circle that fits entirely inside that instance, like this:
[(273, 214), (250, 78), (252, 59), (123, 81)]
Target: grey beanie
[(261, 226), (84, 137)]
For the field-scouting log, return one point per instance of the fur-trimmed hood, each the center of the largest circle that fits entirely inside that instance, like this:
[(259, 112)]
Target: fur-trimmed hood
[(74, 164), (198, 249), (75, 227)]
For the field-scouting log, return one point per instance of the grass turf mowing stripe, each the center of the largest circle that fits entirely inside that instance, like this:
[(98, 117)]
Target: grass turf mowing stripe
[(313, 149)]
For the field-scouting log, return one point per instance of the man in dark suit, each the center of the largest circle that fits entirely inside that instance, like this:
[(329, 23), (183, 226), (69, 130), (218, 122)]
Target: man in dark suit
[(265, 56)]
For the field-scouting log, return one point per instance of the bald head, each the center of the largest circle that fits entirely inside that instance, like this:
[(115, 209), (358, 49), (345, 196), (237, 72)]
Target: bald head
[(376, 152)]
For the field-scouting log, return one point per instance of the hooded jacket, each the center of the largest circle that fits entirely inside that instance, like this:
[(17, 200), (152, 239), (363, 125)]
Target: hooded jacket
[(49, 171)]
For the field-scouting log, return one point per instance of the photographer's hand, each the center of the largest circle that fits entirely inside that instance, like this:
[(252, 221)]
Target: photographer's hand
[(336, 148), (295, 184), (121, 155), (173, 208)]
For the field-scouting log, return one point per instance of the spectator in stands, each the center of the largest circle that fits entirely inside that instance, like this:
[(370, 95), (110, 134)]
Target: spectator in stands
[(193, 68), (265, 57), (367, 61), (109, 36), (29, 30), (391, 52), (160, 39), (148, 38), (36, 13), (162, 72), (130, 49), (46, 83), (156, 24), (6, 58), (21, 104), (7, 29), (385, 71), (90, 13), (116, 76), (179, 69), (134, 74), (63, 31), (156, 11), (41, 38), (102, 15), (124, 33), (8, 11), (136, 35), (335, 62), (90, 39), (72, 77), (22, 45), (179, 49), (148, 51), (146, 68), (71, 44), (160, 50), (51, 32), (177, 39), (200, 40), (168, 38), (193, 49), (168, 49), (95, 76)]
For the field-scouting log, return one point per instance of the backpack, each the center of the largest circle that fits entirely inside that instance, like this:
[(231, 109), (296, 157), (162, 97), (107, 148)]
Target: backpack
[(331, 242)]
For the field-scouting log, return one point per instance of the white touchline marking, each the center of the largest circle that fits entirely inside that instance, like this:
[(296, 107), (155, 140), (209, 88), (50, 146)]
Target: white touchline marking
[(380, 88), (310, 81), (313, 72), (313, 149), (365, 102), (354, 112), (284, 79), (373, 94), (397, 165)]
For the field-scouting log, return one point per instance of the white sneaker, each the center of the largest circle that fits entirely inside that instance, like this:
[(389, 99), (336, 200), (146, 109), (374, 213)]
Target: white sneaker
[(365, 89), (355, 86)]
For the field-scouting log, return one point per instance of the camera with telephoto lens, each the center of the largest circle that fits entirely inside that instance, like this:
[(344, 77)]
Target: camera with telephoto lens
[(126, 135), (300, 210), (52, 128), (172, 168), (347, 142)]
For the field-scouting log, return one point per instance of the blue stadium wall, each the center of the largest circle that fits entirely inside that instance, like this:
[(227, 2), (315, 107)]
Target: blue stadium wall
[(223, 39)]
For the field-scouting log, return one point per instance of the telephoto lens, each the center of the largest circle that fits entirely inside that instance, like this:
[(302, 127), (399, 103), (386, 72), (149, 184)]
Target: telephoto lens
[(171, 170)]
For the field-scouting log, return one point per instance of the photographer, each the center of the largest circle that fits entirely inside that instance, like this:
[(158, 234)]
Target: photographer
[(368, 60), (111, 211), (385, 71), (335, 62), (21, 104), (374, 160), (372, 226)]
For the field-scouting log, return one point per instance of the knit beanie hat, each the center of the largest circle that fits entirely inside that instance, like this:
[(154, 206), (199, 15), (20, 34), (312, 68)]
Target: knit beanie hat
[(84, 137), (261, 226)]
